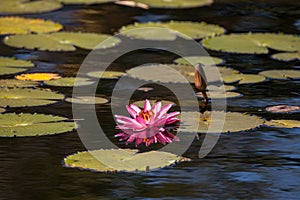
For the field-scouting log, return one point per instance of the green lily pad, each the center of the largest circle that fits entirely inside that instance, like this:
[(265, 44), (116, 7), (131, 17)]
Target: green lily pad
[(19, 25), (253, 43), (220, 94), (221, 88), (20, 97), (22, 125), (175, 28), (157, 73), (234, 122), (152, 102), (42, 42), (287, 56), (281, 74), (121, 160), (69, 82), (27, 6), (283, 123), (86, 2), (87, 100), (2, 110), (12, 83), (106, 74), (175, 3), (87, 40), (11, 65), (193, 60), (243, 78)]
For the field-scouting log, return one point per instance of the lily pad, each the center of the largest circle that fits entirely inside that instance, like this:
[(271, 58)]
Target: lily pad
[(42, 42), (11, 83), (234, 122), (283, 109), (221, 88), (12, 65), (87, 100), (157, 73), (19, 25), (20, 97), (38, 77), (284, 123), (175, 3), (175, 28), (253, 43), (281, 74), (106, 74), (27, 6), (121, 160), (287, 56), (22, 125), (152, 102), (86, 2), (243, 78), (193, 60), (220, 95), (86, 40), (69, 82)]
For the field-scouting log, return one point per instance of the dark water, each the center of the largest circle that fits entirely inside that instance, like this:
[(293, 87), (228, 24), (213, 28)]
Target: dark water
[(259, 164)]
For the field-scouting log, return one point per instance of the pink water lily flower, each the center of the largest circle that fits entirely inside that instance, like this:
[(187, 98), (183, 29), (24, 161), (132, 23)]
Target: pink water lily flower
[(147, 125)]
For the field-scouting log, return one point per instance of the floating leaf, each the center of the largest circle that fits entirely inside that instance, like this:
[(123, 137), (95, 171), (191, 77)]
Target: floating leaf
[(175, 28), (193, 60), (121, 160), (27, 6), (87, 2), (234, 122), (220, 94), (38, 77), (106, 74), (19, 25), (253, 43), (12, 65), (2, 110), (175, 3), (157, 73), (281, 74), (152, 102), (243, 78), (284, 123), (221, 88), (20, 97), (10, 83), (21, 125), (42, 42), (282, 109), (86, 40), (287, 56), (87, 100), (69, 82)]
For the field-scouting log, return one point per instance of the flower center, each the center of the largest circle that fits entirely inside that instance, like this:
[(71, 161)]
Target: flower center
[(146, 115)]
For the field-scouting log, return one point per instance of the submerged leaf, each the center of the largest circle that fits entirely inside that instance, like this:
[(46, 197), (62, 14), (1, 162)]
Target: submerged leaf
[(281, 74), (69, 82), (11, 65), (106, 74), (284, 123), (154, 31), (20, 97), (38, 77), (11, 83), (243, 78), (287, 56), (19, 25), (21, 125), (193, 60), (87, 100), (121, 160)]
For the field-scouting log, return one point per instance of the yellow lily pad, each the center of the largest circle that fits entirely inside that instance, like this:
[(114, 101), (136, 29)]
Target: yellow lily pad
[(106, 74), (173, 29), (284, 123), (193, 60), (38, 77), (281, 74), (21, 97), (243, 78), (11, 83), (20, 25), (23, 125), (127, 160), (87, 100), (11, 65), (69, 82), (287, 56)]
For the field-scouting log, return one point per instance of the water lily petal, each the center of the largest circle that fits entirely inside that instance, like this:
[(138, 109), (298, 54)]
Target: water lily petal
[(135, 108), (156, 108), (164, 110), (128, 121), (147, 105)]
